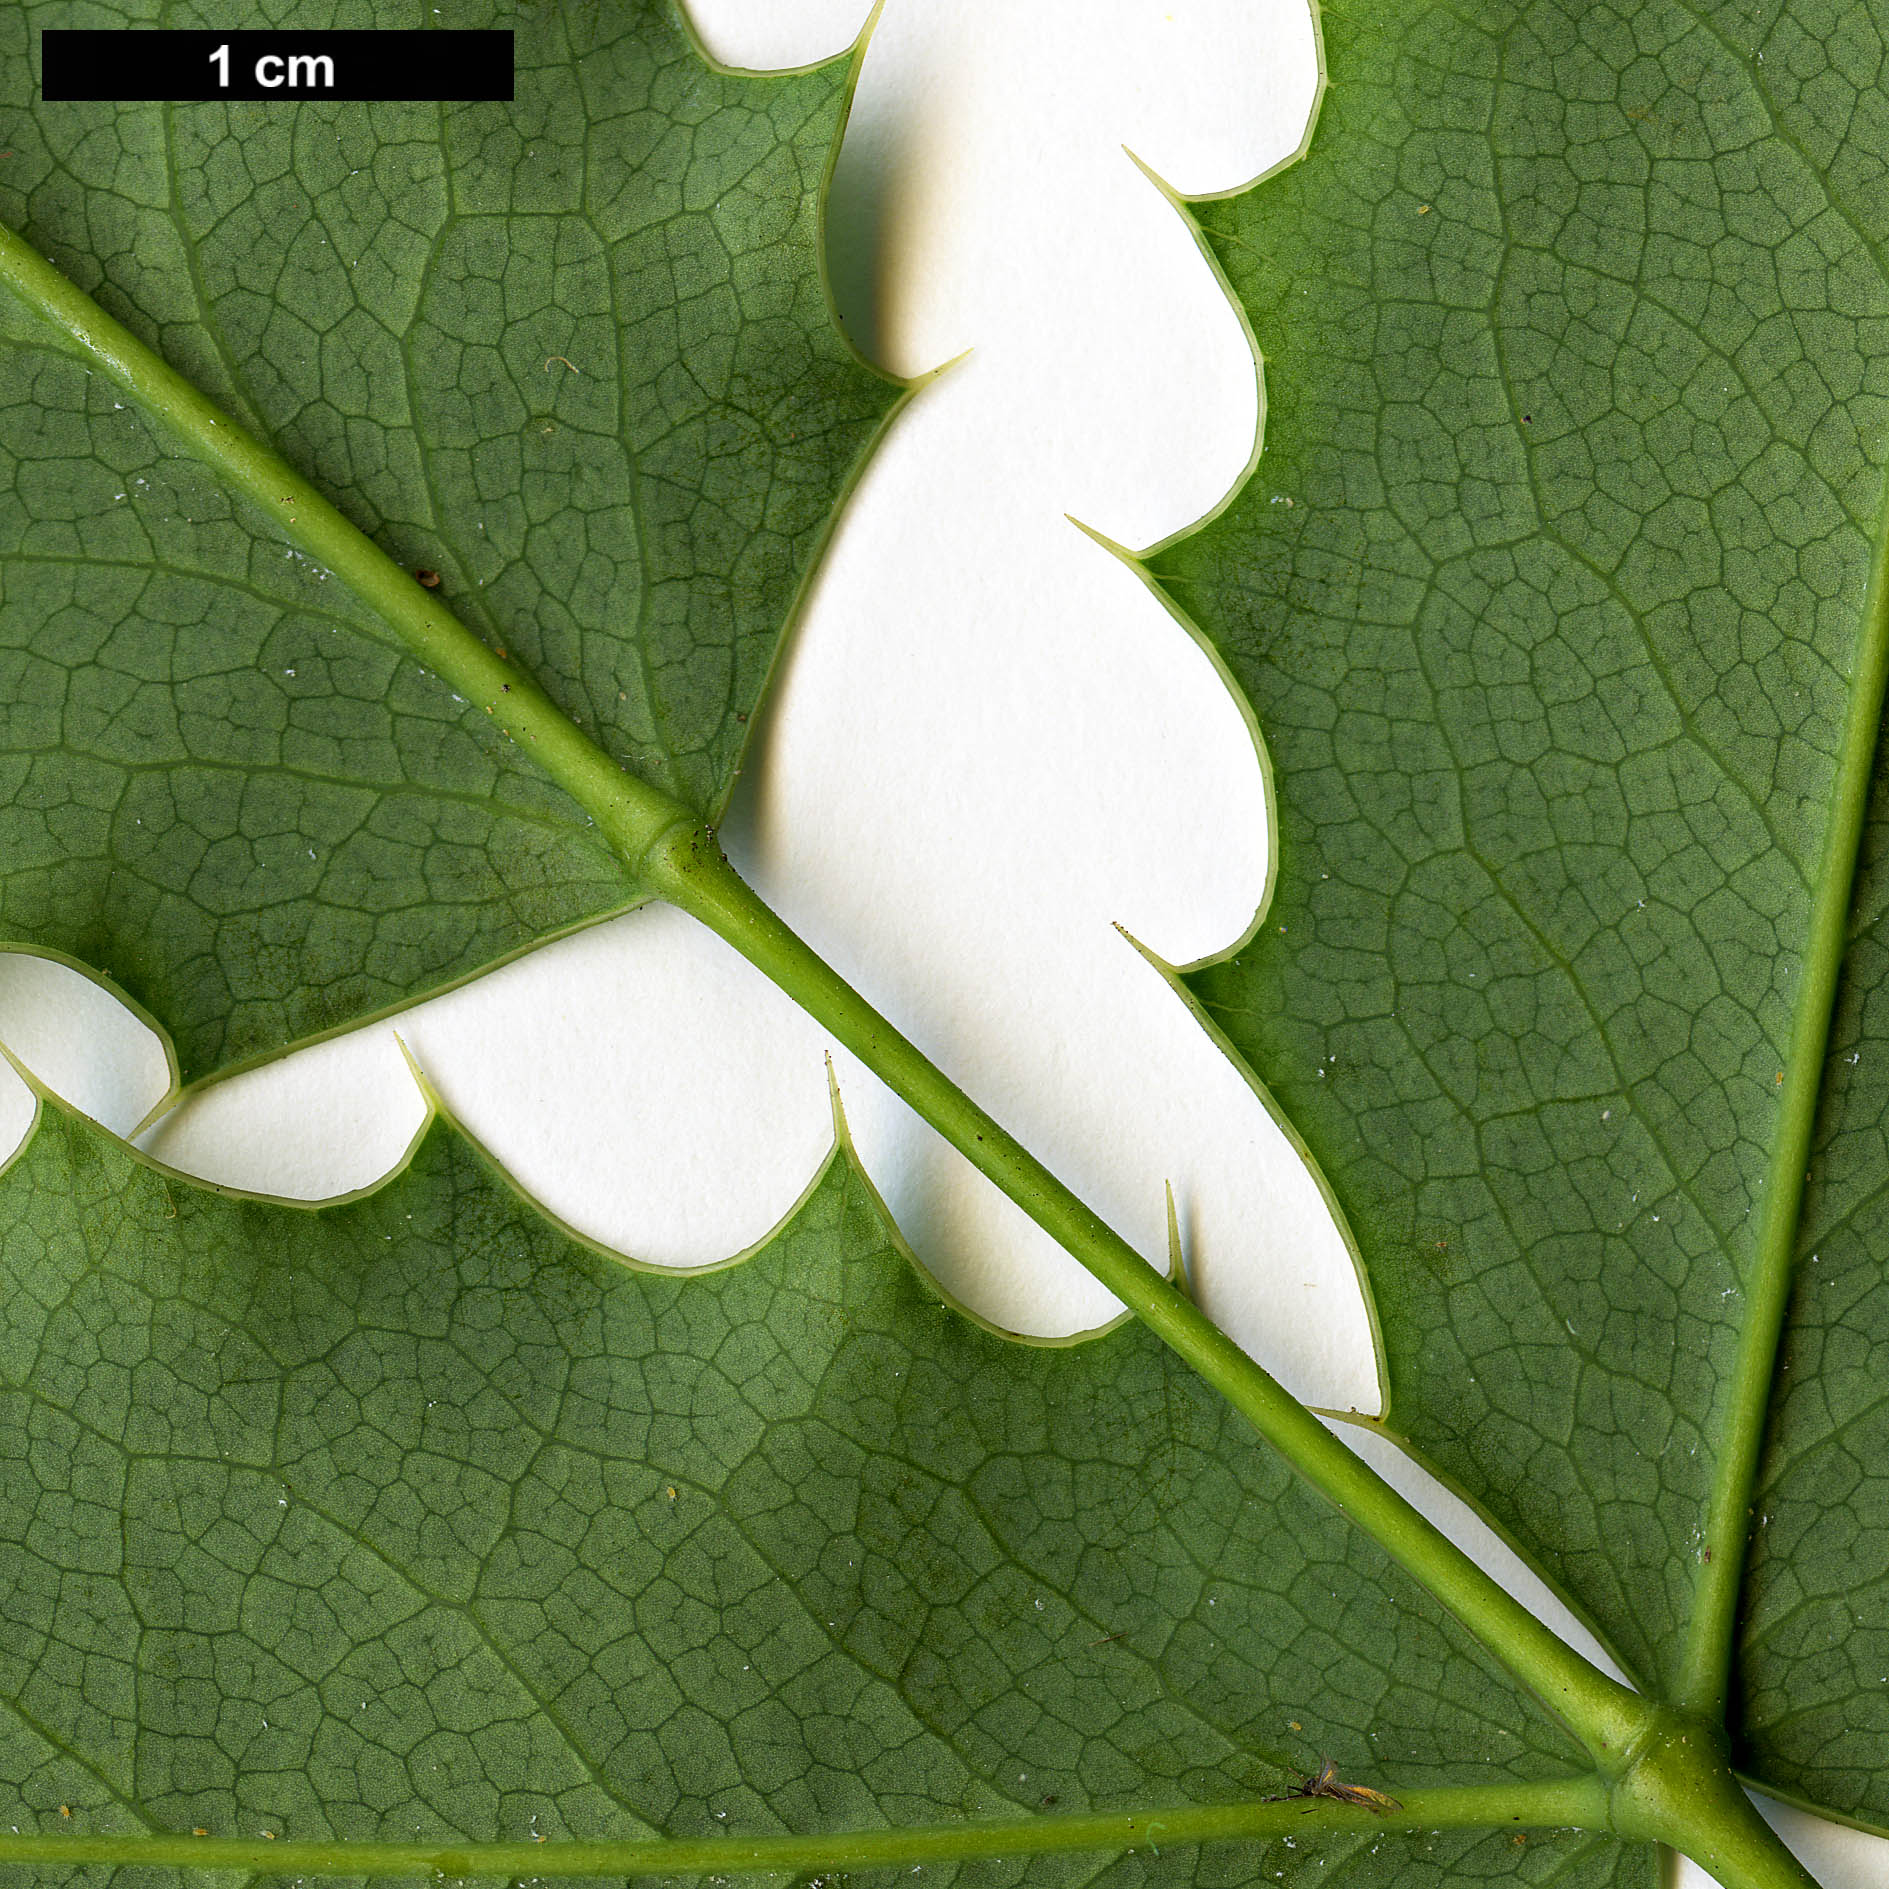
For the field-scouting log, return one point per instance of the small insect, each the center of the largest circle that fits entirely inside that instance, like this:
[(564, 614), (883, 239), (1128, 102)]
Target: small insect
[(429, 578), (1324, 1783)]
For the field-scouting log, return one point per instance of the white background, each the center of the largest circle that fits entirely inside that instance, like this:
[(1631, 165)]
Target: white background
[(989, 745)]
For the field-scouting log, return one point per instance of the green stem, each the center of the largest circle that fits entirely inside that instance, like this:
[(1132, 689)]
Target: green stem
[(689, 870), (1705, 1671), (673, 855), (1734, 1845), (1679, 1789), (1570, 1803)]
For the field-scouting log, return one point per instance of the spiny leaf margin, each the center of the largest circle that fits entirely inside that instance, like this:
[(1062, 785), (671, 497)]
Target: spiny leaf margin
[(1553, 597), (574, 354), (396, 1478)]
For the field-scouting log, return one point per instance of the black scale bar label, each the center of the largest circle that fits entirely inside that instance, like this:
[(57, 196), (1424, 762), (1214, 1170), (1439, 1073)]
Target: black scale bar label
[(128, 65)]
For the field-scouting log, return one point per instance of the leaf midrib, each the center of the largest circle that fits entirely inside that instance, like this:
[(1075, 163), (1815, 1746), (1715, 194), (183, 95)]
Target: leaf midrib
[(667, 851), (1705, 1668), (1704, 1673)]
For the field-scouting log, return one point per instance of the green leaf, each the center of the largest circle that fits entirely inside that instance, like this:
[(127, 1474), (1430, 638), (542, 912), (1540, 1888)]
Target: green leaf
[(1554, 597), (1815, 1654), (412, 1519), (571, 353)]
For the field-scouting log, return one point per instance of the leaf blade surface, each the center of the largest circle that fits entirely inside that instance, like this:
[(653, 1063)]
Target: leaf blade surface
[(1810, 1705), (411, 1517), (1579, 342), (573, 354)]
